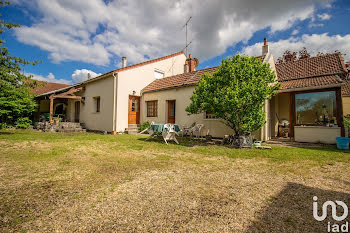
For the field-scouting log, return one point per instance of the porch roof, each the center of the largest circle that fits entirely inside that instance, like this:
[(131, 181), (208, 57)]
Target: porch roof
[(317, 72), (45, 87), (312, 82)]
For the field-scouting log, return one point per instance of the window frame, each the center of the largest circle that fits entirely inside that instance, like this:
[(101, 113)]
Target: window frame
[(154, 111), (97, 104), (311, 92), (159, 72)]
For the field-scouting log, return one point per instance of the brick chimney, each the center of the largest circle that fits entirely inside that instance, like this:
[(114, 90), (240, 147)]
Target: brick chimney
[(191, 63), (123, 62), (265, 48)]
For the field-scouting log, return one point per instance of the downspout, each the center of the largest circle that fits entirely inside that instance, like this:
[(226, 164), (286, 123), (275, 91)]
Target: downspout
[(115, 92)]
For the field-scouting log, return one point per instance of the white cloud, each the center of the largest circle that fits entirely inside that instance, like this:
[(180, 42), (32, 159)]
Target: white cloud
[(313, 43), (82, 75), (49, 78), (324, 16), (93, 31), (313, 25), (295, 31)]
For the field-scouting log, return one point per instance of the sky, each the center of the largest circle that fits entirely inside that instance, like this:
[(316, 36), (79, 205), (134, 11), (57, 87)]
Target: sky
[(74, 38)]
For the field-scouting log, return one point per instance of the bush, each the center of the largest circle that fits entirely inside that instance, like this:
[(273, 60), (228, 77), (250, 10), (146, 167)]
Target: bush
[(23, 123), (145, 125), (3, 125), (347, 122)]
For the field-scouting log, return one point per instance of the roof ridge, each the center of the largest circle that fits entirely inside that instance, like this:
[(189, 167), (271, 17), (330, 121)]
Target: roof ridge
[(305, 59), (136, 65)]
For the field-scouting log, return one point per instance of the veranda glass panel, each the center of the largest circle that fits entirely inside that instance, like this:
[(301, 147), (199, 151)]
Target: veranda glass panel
[(317, 108)]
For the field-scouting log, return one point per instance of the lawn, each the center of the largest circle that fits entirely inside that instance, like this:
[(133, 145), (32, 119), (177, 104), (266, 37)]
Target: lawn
[(87, 182)]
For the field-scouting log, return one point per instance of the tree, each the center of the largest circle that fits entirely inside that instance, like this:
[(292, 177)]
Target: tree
[(236, 93), (303, 53), (287, 57), (16, 100)]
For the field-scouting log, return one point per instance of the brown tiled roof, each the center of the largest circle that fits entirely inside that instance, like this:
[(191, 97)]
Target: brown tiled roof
[(47, 87), (313, 72), (136, 65), (180, 80), (311, 82), (313, 66)]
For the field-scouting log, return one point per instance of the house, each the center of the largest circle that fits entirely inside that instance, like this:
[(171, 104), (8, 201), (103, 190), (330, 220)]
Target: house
[(110, 102), (346, 93), (310, 97), (165, 101), (308, 107)]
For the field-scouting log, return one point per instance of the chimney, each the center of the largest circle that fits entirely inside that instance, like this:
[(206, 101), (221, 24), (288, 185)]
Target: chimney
[(265, 48), (186, 68), (191, 63), (89, 76), (123, 62)]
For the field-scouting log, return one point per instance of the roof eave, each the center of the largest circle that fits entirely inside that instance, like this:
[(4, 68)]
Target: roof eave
[(169, 88), (58, 90), (310, 88)]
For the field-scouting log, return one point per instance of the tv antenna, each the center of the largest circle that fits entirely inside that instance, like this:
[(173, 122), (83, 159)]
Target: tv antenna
[(185, 26)]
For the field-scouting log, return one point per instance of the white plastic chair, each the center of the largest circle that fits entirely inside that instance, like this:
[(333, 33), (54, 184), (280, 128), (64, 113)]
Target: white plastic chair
[(196, 130), (169, 133)]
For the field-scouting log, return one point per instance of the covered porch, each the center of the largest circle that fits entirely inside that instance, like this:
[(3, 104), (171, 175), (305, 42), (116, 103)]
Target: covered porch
[(308, 115), (61, 105)]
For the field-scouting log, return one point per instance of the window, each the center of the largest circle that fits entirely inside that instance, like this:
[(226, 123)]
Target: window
[(316, 108), (152, 108), (97, 101), (158, 74), (210, 115), (135, 104)]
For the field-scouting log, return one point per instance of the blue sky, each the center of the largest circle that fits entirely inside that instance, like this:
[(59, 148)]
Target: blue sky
[(80, 37)]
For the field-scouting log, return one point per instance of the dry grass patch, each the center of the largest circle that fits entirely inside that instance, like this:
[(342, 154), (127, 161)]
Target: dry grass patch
[(89, 182)]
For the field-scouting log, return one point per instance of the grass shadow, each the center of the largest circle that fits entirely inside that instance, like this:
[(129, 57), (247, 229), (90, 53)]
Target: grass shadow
[(292, 210), (183, 141)]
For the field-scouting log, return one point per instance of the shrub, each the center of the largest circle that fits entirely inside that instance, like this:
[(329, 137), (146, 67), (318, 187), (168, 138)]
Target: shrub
[(145, 125), (347, 122), (23, 123)]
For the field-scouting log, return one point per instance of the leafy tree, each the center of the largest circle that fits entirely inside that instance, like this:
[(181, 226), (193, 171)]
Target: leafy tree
[(16, 100), (236, 93)]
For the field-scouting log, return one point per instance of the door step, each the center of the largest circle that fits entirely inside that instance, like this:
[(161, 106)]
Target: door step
[(133, 129)]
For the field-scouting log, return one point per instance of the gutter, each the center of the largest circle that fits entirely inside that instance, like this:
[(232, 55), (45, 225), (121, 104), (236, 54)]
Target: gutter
[(310, 88), (115, 94)]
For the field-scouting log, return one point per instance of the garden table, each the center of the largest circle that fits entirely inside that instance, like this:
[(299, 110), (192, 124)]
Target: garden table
[(167, 131)]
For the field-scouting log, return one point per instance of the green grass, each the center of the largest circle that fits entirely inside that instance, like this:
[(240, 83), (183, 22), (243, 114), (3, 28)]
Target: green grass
[(325, 155)]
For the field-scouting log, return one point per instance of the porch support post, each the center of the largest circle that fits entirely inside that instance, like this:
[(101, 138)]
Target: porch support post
[(339, 104), (291, 114), (51, 108)]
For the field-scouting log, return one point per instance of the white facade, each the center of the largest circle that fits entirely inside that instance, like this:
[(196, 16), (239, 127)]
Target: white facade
[(114, 89)]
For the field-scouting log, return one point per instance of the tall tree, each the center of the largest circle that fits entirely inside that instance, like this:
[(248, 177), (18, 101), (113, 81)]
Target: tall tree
[(16, 100), (236, 93)]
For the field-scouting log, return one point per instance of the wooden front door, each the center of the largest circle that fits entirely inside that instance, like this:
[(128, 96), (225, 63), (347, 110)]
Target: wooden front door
[(171, 111), (134, 109), (77, 111)]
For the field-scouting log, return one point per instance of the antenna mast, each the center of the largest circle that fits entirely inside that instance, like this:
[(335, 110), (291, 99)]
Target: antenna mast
[(185, 26)]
